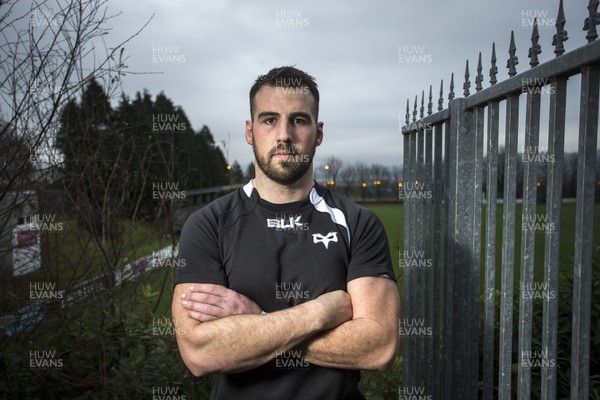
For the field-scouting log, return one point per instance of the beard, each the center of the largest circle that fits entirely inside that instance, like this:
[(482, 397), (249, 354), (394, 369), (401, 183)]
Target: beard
[(284, 172)]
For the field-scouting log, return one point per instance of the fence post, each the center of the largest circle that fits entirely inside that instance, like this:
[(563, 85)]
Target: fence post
[(409, 351), (556, 142), (438, 196), (458, 305), (584, 231)]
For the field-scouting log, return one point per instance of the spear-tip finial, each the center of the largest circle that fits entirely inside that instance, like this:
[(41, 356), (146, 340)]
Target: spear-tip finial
[(494, 68), (415, 110), (441, 99), (479, 78), (591, 21), (430, 104), (561, 34), (513, 60), (467, 83), (535, 48)]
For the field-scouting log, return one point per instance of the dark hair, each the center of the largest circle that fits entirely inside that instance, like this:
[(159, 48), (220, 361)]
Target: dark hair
[(287, 76)]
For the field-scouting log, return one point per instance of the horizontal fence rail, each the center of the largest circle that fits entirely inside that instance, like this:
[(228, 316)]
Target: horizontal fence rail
[(452, 190)]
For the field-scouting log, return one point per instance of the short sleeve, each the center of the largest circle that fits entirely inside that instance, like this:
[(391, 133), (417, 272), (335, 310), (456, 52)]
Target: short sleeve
[(370, 252), (199, 257)]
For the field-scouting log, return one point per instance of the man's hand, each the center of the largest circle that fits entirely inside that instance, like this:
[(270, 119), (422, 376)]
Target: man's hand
[(207, 302)]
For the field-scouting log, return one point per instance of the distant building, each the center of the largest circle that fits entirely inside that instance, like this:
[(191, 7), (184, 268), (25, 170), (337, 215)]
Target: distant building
[(20, 250)]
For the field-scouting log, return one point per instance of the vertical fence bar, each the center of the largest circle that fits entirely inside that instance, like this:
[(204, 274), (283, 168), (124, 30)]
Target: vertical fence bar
[(490, 250), (461, 219), (446, 273), (437, 195), (556, 149), (584, 231), (475, 246), (428, 243), (415, 303), (508, 247), (406, 245), (529, 224), (417, 273), (408, 358)]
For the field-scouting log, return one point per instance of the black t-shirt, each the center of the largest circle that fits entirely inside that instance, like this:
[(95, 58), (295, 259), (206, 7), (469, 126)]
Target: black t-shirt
[(280, 255)]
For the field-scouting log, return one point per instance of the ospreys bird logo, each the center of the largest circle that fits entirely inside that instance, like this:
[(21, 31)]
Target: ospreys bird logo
[(331, 237)]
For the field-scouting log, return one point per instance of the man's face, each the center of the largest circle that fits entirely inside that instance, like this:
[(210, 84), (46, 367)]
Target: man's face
[(284, 132)]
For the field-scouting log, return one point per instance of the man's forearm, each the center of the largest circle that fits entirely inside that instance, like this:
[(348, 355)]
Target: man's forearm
[(242, 342), (356, 344)]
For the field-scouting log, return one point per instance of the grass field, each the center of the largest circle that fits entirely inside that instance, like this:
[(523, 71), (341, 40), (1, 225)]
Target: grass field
[(392, 217)]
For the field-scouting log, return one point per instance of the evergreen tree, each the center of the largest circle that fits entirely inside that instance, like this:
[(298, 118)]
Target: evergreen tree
[(211, 161), (126, 153), (250, 172), (236, 174), (94, 163)]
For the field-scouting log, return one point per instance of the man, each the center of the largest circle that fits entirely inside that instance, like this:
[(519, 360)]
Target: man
[(288, 289)]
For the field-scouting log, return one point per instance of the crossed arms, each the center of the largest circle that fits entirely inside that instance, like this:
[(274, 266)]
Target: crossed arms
[(220, 330)]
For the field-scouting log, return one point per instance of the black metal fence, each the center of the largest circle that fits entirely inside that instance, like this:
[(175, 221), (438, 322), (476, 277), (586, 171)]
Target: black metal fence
[(448, 249)]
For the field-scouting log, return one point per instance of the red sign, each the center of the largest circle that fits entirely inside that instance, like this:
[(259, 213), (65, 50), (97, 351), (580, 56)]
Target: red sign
[(27, 238)]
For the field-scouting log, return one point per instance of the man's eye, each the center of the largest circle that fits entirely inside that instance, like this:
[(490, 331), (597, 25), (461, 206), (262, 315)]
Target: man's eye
[(300, 121), (269, 121)]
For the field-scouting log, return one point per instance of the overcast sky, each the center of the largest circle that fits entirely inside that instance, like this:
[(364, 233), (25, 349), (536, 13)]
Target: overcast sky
[(367, 57)]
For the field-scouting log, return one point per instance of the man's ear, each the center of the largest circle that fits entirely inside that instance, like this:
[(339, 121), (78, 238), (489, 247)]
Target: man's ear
[(249, 132), (319, 133)]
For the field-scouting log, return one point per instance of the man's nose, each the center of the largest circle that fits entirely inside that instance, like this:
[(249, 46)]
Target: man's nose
[(285, 132)]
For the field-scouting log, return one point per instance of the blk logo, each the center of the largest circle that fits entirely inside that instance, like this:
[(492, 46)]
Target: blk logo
[(287, 222), (331, 237)]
